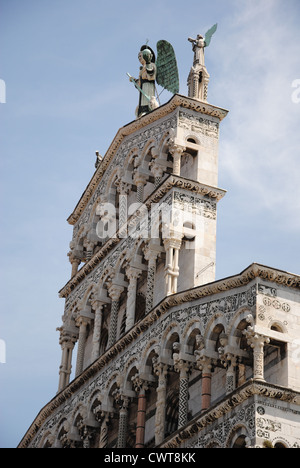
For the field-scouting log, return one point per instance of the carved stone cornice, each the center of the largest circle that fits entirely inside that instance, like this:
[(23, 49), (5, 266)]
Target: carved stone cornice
[(176, 101)]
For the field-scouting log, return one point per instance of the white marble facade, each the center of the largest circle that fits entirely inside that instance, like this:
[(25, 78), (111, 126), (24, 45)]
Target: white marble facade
[(212, 363)]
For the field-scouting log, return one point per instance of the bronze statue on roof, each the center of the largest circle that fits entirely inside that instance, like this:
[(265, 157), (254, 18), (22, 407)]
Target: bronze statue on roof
[(163, 71)]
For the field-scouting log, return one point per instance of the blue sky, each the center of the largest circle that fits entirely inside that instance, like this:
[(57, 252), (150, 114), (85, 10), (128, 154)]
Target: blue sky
[(64, 63)]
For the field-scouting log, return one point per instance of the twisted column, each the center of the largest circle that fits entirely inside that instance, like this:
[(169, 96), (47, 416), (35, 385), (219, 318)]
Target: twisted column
[(133, 275), (172, 247), (157, 170), (183, 367), (97, 329), (82, 322), (140, 182), (114, 292), (123, 402), (103, 438), (123, 190), (151, 257), (231, 373), (161, 370)]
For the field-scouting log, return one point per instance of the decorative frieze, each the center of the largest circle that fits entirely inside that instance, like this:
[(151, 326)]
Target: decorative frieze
[(199, 124)]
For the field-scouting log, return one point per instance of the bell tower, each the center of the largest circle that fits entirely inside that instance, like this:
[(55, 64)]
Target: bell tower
[(145, 227)]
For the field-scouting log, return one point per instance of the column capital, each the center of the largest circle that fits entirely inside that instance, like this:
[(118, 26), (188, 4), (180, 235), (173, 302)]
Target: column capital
[(73, 257), (140, 384), (97, 304), (229, 359), (123, 187), (75, 262), (67, 336), (174, 240), (176, 148), (101, 296), (152, 252), (122, 400), (133, 273), (102, 415), (139, 178), (88, 244), (160, 368), (182, 366), (115, 291), (157, 169), (255, 340), (81, 320), (204, 363)]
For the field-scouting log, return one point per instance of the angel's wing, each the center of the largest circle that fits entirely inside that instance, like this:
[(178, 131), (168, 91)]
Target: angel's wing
[(209, 34), (166, 67)]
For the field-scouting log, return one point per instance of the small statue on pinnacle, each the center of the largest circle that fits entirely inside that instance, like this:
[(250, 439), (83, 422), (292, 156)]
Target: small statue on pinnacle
[(198, 78)]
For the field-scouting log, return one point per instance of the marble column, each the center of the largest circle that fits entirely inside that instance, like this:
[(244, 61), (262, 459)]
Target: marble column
[(204, 364), (257, 343), (183, 367), (140, 182), (132, 275), (123, 190), (161, 370), (75, 262), (86, 434), (104, 421), (177, 151), (89, 246), (98, 306), (67, 343), (82, 322), (123, 421), (63, 367), (114, 292), (157, 171), (231, 373), (151, 257), (140, 386), (172, 247)]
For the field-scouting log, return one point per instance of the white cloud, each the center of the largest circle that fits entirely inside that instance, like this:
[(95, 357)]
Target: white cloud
[(260, 147)]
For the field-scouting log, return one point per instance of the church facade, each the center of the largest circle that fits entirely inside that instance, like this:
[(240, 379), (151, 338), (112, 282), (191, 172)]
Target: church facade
[(167, 356)]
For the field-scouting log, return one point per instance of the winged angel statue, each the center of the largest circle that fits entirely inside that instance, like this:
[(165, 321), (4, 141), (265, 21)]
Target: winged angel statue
[(199, 77), (200, 43), (163, 71)]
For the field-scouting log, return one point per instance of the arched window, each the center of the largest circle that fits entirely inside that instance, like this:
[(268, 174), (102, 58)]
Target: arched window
[(279, 445), (238, 438), (240, 442)]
